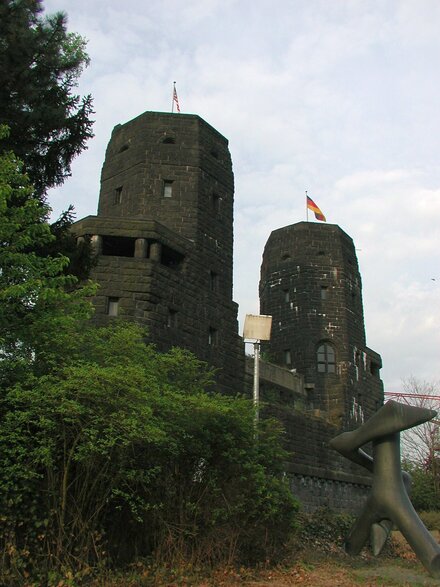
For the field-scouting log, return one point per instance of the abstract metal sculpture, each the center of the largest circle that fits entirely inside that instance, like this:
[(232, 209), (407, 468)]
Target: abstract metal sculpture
[(388, 503)]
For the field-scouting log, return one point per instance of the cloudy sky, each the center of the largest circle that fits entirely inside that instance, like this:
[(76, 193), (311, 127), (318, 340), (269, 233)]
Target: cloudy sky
[(337, 97)]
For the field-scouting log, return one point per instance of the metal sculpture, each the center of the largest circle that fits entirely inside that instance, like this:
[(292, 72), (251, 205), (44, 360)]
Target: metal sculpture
[(388, 504)]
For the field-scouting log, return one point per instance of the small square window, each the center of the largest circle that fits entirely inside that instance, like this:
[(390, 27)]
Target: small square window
[(113, 306), (167, 188), (374, 369)]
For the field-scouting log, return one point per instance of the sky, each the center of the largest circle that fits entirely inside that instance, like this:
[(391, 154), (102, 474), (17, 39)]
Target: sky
[(336, 97)]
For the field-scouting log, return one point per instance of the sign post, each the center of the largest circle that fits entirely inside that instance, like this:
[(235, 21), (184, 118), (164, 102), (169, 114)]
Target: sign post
[(257, 328)]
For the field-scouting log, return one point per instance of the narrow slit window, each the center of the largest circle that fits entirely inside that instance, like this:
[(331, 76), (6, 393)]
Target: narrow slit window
[(213, 281), (172, 318), (286, 294), (324, 292), (117, 199), (212, 336), (215, 202), (287, 357)]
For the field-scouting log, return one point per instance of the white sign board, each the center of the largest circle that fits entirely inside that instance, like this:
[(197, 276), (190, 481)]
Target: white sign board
[(257, 327)]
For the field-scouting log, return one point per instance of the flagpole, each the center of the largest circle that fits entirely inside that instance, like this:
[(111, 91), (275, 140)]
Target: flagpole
[(172, 98), (307, 209)]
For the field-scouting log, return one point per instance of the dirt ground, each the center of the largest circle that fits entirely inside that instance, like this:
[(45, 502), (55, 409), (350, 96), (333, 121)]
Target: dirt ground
[(337, 569), (331, 574), (398, 567)]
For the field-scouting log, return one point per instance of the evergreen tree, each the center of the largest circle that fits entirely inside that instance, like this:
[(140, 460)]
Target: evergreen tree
[(35, 303), (40, 63)]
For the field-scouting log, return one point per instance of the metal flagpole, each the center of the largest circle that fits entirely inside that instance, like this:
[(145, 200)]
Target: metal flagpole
[(172, 97), (307, 209)]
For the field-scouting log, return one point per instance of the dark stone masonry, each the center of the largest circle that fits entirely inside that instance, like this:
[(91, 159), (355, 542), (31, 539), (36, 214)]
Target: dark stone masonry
[(311, 285), (163, 237)]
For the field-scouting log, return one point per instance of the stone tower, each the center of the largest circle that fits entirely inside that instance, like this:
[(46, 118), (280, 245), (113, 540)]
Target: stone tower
[(311, 285), (163, 237)]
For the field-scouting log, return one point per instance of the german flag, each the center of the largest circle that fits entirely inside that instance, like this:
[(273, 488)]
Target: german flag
[(314, 208)]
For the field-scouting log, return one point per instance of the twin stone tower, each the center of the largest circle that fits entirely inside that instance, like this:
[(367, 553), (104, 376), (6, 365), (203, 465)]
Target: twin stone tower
[(163, 237)]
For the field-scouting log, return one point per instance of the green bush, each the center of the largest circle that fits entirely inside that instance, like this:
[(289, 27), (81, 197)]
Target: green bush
[(431, 520), (323, 528), (425, 495), (120, 453)]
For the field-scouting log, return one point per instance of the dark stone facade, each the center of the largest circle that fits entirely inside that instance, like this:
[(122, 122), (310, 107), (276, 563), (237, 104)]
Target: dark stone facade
[(318, 475), (318, 492), (311, 285), (163, 237)]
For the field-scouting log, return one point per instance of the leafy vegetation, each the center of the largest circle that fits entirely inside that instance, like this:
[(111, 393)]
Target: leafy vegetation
[(425, 495), (37, 297), (322, 529), (48, 122), (113, 456), (40, 64)]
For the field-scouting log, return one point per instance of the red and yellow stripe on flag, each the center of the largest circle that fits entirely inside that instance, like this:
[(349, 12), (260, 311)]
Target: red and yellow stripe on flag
[(315, 209)]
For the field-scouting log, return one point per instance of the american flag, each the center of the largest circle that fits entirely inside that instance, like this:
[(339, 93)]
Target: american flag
[(176, 99)]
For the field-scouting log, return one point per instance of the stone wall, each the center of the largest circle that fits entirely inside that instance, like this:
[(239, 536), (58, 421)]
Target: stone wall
[(319, 476), (163, 237), (311, 285), (317, 492)]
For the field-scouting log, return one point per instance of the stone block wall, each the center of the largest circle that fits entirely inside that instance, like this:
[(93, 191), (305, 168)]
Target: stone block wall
[(339, 496), (311, 285), (318, 475), (190, 156), (164, 237)]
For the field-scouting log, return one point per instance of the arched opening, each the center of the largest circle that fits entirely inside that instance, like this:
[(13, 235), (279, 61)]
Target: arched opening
[(326, 358)]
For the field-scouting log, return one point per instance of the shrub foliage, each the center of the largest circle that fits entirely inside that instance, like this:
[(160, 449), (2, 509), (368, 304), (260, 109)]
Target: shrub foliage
[(120, 452)]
